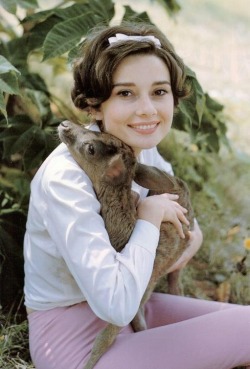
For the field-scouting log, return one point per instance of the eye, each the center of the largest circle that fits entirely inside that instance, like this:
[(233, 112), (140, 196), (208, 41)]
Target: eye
[(124, 93), (160, 92), (91, 149)]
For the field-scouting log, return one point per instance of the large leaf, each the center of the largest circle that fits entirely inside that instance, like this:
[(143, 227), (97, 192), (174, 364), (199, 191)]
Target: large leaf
[(37, 35), (33, 81), (65, 35), (28, 4), (16, 51), (61, 13), (14, 190), (197, 96), (38, 105), (190, 110), (33, 143), (131, 15), (9, 83), (104, 10), (79, 18), (38, 149), (171, 6), (3, 105), (49, 25), (6, 66), (10, 135), (9, 5)]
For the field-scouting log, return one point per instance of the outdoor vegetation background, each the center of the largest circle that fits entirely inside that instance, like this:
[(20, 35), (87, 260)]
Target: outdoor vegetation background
[(213, 39)]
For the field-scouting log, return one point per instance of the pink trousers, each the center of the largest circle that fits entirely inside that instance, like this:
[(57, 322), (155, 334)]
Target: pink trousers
[(183, 333)]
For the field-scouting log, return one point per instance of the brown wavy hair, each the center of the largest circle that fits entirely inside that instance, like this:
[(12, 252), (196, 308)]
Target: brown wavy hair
[(94, 68)]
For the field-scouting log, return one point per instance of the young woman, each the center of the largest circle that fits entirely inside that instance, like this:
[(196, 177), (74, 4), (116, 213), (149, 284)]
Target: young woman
[(129, 79)]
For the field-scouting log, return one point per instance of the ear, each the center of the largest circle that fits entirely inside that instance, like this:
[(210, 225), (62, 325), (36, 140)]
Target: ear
[(115, 171), (153, 178)]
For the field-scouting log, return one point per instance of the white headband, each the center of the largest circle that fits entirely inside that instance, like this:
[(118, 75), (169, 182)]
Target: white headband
[(121, 37)]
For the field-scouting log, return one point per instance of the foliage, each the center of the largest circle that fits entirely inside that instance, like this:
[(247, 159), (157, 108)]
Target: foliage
[(14, 344), (221, 269), (30, 110)]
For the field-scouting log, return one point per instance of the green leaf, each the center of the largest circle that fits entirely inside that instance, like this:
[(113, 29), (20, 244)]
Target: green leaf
[(9, 84), (34, 152), (6, 66), (16, 51), (9, 5), (38, 33), (212, 104), (3, 105), (39, 104), (59, 13), (78, 19), (131, 15), (39, 16), (28, 4), (13, 131), (104, 10), (65, 35), (74, 53), (25, 139), (31, 141), (33, 81), (74, 10), (171, 6), (33, 157)]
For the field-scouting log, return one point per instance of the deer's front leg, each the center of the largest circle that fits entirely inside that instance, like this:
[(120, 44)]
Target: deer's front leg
[(139, 322)]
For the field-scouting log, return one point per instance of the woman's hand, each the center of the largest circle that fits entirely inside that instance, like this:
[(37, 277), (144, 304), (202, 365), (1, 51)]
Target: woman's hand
[(163, 208), (195, 239)]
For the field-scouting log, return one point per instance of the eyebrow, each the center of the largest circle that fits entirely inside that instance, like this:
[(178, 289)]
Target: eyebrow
[(133, 84)]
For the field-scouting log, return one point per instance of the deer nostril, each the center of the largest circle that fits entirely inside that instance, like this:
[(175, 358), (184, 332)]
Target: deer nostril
[(65, 124)]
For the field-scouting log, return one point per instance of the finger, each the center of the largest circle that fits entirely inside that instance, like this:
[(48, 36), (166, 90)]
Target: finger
[(178, 227), (190, 236), (171, 196), (184, 210), (182, 218), (178, 206)]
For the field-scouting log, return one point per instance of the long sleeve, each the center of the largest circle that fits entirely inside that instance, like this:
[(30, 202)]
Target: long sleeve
[(66, 238)]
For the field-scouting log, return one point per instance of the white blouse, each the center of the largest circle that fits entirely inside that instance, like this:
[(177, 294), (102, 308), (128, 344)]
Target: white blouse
[(67, 251)]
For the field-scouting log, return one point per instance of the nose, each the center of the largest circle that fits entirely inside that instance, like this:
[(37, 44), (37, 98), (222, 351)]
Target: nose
[(145, 106)]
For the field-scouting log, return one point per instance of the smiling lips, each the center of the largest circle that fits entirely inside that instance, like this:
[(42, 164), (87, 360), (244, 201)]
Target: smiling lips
[(144, 128)]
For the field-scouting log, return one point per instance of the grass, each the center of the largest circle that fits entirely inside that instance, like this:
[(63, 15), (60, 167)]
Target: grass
[(14, 344)]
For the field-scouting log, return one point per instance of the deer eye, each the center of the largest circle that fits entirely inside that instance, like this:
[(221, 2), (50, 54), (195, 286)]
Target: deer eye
[(91, 149)]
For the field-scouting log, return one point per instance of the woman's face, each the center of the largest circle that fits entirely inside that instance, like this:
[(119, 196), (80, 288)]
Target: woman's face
[(140, 108)]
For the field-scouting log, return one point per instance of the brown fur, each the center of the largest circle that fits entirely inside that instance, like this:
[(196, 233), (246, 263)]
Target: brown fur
[(111, 166)]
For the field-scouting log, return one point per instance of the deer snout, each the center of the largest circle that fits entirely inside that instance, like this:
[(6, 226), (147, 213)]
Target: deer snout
[(65, 125), (64, 131)]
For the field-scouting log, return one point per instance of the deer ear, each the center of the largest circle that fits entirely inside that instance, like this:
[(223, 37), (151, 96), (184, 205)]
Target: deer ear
[(115, 171), (153, 178)]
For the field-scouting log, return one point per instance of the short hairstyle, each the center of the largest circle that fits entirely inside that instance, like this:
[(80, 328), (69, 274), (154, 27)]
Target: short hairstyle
[(94, 68)]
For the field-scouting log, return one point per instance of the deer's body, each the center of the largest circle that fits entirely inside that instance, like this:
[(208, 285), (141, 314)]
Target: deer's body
[(112, 166)]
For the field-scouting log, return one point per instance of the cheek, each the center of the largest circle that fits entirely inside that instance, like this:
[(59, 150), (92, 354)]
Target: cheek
[(112, 123), (113, 119), (169, 114)]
